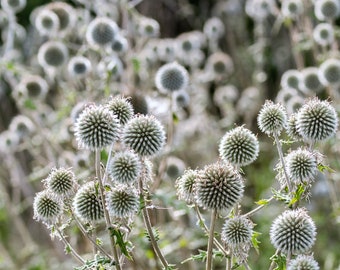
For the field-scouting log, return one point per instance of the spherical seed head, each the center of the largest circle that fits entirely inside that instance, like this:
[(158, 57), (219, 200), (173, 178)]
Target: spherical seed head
[(185, 186), (219, 186), (122, 108), (87, 203), (46, 207), (317, 120), (292, 128), (96, 128), (329, 72), (125, 167), (326, 9), (122, 201), (171, 77), (47, 22), (61, 182), (13, 5), (310, 81), (323, 34), (301, 165), (79, 67), (293, 232), (101, 32), (239, 146), (52, 54), (303, 262), (272, 118), (144, 134)]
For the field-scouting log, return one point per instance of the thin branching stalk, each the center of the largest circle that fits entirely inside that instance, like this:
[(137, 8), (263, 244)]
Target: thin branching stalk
[(106, 213), (209, 262), (252, 212)]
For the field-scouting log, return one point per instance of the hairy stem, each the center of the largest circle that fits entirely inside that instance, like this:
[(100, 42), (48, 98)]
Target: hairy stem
[(209, 262)]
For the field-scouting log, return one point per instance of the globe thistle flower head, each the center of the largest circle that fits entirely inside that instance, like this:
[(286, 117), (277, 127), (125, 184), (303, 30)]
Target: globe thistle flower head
[(185, 186), (22, 126), (148, 27), (293, 232), (219, 65), (219, 186), (323, 34), (122, 201), (47, 22), (120, 44), (291, 79), (310, 82), (87, 203), (317, 120), (326, 9), (52, 54), (139, 103), (329, 72), (237, 233), (260, 10), (31, 87), (291, 128), (46, 207), (96, 128), (225, 94), (174, 167), (13, 6), (292, 8), (301, 166), (171, 77), (165, 49), (101, 32), (9, 141), (213, 28), (79, 67), (272, 118), (66, 15), (122, 108), (61, 182), (294, 104), (239, 147), (125, 167), (182, 99), (144, 134), (303, 262)]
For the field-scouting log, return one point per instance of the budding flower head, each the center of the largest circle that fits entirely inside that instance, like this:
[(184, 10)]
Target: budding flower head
[(87, 204), (330, 72), (125, 167), (301, 165), (185, 186), (293, 232), (272, 118), (122, 201), (239, 146), (144, 134), (237, 234), (326, 9), (122, 108), (46, 207), (101, 32), (61, 182), (171, 77), (303, 262), (96, 128), (219, 186), (317, 120), (52, 54)]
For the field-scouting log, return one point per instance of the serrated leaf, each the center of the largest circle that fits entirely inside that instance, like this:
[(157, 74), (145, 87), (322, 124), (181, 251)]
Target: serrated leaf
[(297, 195), (120, 242), (280, 261)]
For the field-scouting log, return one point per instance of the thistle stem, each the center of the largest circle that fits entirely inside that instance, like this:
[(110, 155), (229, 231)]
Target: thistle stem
[(209, 262), (106, 213)]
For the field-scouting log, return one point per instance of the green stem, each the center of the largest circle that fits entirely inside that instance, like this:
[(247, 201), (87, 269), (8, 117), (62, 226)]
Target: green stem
[(209, 262), (106, 213), (258, 208)]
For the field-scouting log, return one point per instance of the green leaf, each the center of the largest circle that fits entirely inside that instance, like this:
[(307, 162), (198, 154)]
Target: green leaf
[(255, 242), (201, 256), (120, 242), (280, 261), (297, 195), (322, 168), (175, 118), (262, 202), (99, 242), (67, 249), (29, 104), (136, 65)]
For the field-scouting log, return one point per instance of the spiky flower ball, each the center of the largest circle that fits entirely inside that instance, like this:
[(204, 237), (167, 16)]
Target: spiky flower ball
[(47, 208), (185, 186), (237, 234), (323, 34), (122, 201), (272, 118), (292, 128), (87, 203), (303, 262), (293, 232), (239, 146), (219, 186), (171, 77), (122, 108), (329, 72), (52, 54), (61, 182), (96, 128), (301, 165), (326, 9), (101, 32), (317, 120), (125, 167), (144, 134)]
